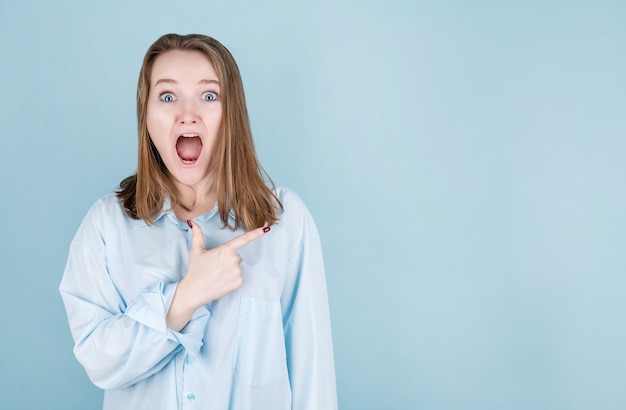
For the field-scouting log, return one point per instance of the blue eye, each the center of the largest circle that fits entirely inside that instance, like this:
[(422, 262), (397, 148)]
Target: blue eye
[(166, 97), (209, 96)]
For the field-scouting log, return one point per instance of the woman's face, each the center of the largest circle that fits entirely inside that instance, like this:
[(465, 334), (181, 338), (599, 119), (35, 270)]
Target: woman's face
[(184, 114)]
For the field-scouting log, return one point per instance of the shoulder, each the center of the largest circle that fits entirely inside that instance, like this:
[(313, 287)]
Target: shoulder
[(293, 204), (107, 207), (105, 212), (295, 218), (287, 194)]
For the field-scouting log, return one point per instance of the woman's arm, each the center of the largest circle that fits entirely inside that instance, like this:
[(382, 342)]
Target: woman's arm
[(306, 320), (211, 274), (119, 342)]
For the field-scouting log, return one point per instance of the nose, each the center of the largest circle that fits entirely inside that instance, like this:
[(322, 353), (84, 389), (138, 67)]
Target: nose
[(188, 113)]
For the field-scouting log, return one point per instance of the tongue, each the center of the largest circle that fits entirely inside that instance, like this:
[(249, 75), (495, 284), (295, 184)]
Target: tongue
[(189, 148)]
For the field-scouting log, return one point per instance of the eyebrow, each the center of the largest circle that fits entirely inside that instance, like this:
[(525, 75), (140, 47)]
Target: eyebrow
[(170, 81)]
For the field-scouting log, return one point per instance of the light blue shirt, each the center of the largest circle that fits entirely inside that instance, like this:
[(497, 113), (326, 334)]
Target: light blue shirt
[(264, 346)]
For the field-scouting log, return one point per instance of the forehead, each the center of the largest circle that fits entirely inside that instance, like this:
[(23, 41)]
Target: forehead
[(181, 65)]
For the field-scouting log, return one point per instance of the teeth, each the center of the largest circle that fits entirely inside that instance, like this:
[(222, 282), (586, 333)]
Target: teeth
[(189, 135)]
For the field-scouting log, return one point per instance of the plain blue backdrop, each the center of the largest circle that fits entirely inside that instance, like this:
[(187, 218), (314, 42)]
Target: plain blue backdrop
[(464, 160)]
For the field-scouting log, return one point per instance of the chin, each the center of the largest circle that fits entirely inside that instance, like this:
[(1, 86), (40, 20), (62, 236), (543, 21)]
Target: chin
[(190, 177)]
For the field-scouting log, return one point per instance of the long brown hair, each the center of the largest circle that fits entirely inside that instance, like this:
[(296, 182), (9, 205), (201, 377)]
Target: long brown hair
[(237, 176)]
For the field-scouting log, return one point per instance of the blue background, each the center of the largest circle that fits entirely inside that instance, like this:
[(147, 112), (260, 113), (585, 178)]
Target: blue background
[(464, 161)]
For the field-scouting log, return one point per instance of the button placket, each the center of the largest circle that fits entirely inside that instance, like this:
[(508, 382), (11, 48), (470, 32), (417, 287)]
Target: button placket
[(190, 385)]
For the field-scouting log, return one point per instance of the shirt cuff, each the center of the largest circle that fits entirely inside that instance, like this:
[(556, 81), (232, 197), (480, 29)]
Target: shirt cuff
[(150, 308)]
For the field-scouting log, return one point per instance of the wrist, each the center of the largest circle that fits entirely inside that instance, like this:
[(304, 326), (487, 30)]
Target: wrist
[(181, 308)]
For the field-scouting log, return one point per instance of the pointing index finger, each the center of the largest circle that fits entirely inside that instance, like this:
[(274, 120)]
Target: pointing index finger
[(245, 238)]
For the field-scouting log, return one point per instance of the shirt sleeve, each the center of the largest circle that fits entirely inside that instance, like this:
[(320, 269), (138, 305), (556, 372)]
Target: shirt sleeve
[(306, 320), (119, 343)]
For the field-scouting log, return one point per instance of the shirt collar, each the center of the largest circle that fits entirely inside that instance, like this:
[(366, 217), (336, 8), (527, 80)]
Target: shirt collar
[(166, 209)]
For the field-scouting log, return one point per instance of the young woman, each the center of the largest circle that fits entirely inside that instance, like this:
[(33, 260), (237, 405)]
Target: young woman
[(177, 292)]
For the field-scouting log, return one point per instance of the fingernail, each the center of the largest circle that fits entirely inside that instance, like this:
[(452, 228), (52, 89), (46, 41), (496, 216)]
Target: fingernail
[(266, 229), (189, 223)]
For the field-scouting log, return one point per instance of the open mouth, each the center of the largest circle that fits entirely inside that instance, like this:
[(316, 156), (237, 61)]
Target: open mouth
[(189, 147)]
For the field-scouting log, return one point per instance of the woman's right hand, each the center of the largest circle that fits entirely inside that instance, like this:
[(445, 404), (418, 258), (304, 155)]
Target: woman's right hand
[(211, 275)]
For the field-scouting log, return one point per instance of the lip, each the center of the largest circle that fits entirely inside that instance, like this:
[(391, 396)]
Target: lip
[(187, 134)]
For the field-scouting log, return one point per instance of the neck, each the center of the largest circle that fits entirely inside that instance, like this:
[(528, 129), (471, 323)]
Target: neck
[(197, 201)]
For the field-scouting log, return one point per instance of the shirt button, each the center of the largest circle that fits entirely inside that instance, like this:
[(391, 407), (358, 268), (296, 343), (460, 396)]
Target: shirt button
[(191, 397)]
